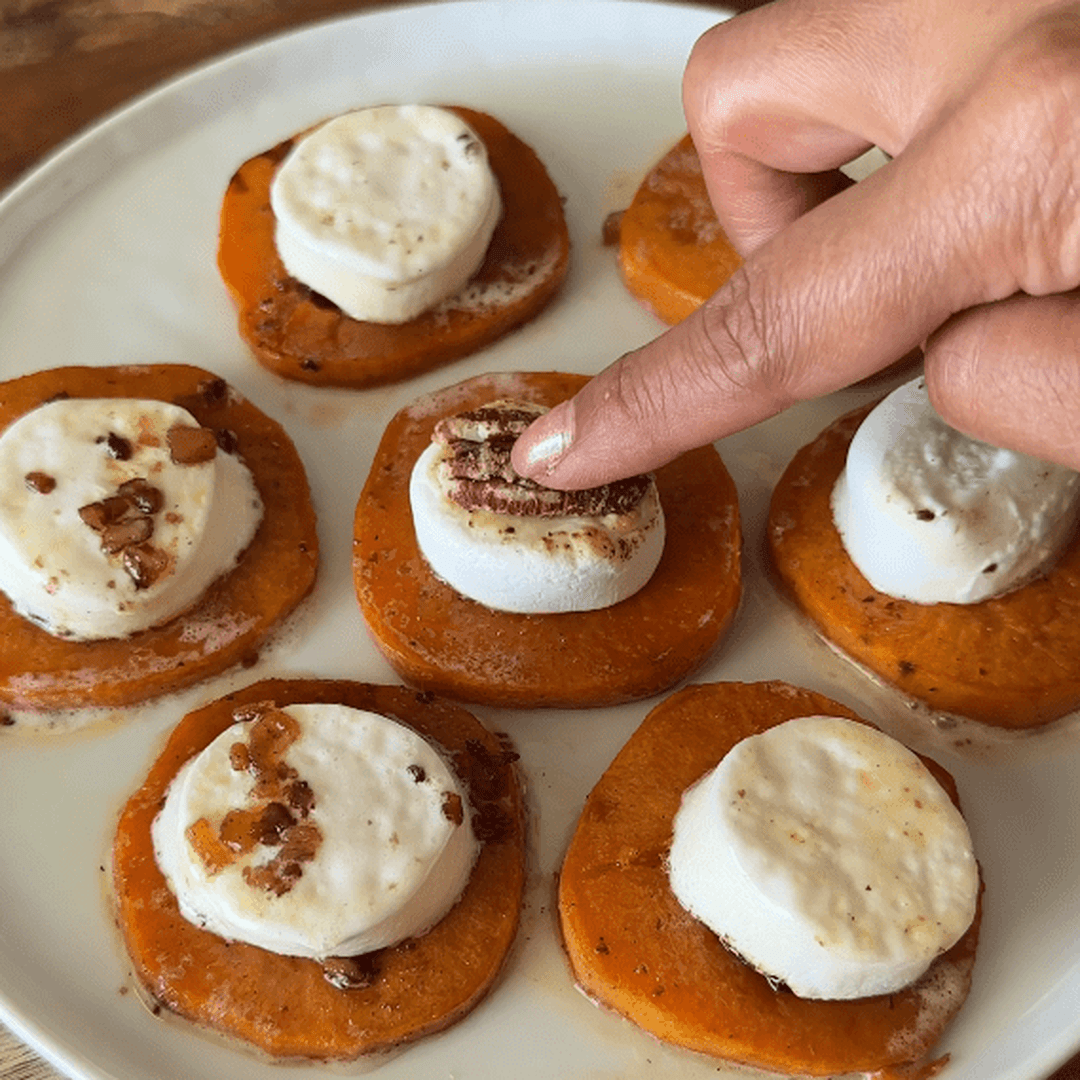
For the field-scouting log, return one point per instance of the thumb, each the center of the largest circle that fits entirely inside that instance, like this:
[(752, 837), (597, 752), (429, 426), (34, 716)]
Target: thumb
[(1008, 374)]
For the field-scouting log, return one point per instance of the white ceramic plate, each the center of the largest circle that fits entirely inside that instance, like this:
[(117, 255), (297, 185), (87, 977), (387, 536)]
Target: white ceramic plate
[(107, 256)]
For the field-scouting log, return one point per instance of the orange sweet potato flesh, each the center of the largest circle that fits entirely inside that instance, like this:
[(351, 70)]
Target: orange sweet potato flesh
[(301, 335), (438, 639), (1012, 661), (237, 613), (633, 948), (673, 253), (283, 1005)]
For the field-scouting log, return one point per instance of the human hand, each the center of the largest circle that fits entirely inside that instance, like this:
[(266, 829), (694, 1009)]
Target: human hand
[(967, 243)]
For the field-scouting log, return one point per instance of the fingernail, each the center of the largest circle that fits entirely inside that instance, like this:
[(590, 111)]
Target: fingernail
[(548, 450)]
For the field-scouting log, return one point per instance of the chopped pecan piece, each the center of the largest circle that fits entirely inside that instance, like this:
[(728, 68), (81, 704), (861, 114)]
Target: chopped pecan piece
[(351, 972), (283, 800), (125, 523), (299, 844), (145, 564), (100, 515), (191, 445), (276, 876), (118, 535), (142, 494), (117, 446), (274, 822), (452, 807), (300, 797)]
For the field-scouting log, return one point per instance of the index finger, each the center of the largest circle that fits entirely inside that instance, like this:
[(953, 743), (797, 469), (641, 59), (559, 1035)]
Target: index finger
[(851, 285)]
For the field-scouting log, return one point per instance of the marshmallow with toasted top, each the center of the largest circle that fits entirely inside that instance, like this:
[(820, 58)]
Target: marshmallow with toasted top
[(386, 211), (826, 855), (107, 524), (930, 515), (329, 831)]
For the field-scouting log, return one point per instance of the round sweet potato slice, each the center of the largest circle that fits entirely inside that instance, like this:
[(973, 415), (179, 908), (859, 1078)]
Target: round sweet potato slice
[(440, 640), (286, 1006), (238, 612), (636, 950), (1012, 661), (301, 335), (673, 253)]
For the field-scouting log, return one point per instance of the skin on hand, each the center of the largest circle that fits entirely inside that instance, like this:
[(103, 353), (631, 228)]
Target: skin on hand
[(967, 243)]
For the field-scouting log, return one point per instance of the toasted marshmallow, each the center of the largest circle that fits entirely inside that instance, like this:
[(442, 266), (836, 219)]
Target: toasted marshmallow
[(826, 855), (534, 561), (386, 211), (364, 841), (106, 529), (930, 515)]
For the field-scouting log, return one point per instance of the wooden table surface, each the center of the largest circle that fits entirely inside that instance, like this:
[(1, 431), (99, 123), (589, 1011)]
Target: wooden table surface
[(64, 63)]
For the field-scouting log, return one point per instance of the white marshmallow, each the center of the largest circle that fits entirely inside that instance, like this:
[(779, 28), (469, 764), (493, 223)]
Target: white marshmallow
[(534, 565), (390, 862), (386, 211), (825, 854), (52, 565), (932, 516)]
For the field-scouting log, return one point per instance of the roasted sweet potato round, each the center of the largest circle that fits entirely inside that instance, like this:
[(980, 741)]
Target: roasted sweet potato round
[(673, 253), (237, 613), (1012, 661), (284, 1005), (635, 949), (440, 640), (301, 335)]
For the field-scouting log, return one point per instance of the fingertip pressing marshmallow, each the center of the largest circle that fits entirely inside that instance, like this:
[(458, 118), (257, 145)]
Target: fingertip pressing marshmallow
[(117, 514), (362, 839), (930, 515), (826, 855), (386, 211), (527, 561)]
